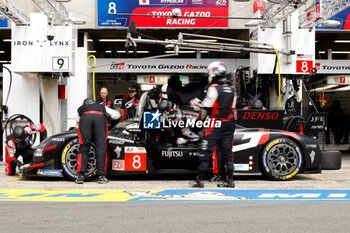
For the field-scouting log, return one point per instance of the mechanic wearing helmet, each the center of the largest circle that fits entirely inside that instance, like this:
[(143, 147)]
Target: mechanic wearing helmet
[(256, 104), (104, 99), (93, 130), (19, 144), (220, 101), (129, 104)]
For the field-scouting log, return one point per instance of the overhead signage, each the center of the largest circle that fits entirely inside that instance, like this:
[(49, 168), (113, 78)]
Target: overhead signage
[(111, 65), (32, 51), (332, 66), (338, 80), (157, 9)]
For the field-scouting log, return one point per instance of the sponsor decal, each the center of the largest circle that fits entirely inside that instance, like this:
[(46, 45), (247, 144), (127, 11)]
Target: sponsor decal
[(312, 156), (311, 146), (241, 167), (46, 172), (172, 154), (193, 153), (206, 195), (118, 151), (197, 2), (329, 67), (117, 142), (151, 120), (58, 139), (144, 2), (118, 165), (117, 66), (260, 116), (191, 123), (307, 56), (134, 149)]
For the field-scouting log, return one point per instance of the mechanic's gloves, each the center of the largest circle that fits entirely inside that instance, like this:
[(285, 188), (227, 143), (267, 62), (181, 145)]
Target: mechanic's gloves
[(43, 135)]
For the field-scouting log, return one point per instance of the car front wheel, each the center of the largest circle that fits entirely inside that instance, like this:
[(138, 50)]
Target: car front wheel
[(281, 159)]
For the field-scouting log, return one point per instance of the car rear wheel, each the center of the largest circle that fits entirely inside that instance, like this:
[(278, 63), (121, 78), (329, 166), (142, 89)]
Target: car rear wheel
[(69, 160), (281, 159)]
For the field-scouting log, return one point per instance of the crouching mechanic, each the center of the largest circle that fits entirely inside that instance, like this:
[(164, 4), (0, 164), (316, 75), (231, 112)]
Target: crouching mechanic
[(93, 129), (220, 101), (19, 144)]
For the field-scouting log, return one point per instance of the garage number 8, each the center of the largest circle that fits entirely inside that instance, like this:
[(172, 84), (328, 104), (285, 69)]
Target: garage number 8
[(136, 163), (112, 9), (304, 66)]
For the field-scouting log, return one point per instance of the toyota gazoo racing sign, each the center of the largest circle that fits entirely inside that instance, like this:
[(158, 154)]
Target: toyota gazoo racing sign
[(158, 12)]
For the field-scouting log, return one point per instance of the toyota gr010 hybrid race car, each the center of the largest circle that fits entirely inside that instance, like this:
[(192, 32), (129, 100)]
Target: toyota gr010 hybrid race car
[(132, 149)]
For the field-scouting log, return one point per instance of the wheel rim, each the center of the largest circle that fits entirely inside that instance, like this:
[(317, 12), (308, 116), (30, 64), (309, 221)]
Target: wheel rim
[(282, 159), (72, 159)]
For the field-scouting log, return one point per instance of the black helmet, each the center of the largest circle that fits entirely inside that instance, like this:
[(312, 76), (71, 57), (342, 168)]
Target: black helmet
[(18, 134), (88, 101), (257, 104)]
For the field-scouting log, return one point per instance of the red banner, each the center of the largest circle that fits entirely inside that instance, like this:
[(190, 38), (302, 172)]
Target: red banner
[(155, 18)]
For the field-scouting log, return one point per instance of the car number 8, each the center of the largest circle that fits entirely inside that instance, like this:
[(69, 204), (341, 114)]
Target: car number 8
[(136, 163)]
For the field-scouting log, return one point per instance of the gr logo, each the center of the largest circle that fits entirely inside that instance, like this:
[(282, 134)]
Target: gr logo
[(144, 2), (151, 120)]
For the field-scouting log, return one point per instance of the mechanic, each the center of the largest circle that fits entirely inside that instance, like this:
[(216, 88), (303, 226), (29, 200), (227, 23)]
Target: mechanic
[(93, 130), (170, 109), (220, 100), (129, 104), (19, 144), (256, 104), (104, 99)]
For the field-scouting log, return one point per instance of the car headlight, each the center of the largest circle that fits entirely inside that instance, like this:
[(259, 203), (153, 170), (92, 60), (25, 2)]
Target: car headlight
[(39, 150)]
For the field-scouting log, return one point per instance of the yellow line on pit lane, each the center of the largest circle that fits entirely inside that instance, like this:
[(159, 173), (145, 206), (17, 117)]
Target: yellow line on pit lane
[(325, 179), (13, 180), (55, 195)]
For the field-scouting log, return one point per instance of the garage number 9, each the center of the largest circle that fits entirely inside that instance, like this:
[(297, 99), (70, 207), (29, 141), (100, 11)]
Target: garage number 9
[(60, 63)]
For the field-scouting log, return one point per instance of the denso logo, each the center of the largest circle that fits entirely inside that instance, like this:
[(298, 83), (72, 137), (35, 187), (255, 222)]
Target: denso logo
[(260, 116)]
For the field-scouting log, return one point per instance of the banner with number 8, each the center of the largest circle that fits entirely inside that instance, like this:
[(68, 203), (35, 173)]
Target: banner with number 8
[(135, 161)]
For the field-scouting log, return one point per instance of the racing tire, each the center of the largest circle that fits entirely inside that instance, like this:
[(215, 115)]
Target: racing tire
[(281, 159), (69, 160), (331, 160)]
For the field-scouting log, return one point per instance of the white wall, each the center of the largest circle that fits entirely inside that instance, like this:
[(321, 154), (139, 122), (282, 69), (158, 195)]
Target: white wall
[(51, 96)]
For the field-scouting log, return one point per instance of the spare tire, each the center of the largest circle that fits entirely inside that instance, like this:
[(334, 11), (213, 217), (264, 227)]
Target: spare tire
[(331, 160)]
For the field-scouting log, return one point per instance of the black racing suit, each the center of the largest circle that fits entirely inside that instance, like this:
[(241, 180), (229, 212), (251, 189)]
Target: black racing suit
[(107, 103), (92, 129), (221, 102)]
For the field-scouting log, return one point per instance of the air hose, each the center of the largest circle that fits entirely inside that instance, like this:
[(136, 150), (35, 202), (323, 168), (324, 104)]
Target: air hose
[(93, 74), (279, 76)]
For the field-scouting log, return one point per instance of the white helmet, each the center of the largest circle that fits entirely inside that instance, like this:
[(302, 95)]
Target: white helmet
[(164, 91), (215, 68)]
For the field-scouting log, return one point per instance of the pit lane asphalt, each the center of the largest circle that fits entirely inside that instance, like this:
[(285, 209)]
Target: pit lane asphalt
[(190, 216)]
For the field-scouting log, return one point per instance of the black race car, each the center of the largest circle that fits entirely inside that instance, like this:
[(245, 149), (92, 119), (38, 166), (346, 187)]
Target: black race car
[(135, 149)]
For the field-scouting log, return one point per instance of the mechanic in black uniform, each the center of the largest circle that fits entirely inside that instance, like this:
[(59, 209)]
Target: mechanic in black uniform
[(219, 104), (19, 144), (104, 99), (129, 104), (93, 129)]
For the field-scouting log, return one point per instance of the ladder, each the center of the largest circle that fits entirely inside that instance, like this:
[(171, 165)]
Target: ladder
[(279, 11)]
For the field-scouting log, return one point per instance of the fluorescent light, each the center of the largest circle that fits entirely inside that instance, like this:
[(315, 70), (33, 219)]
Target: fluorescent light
[(326, 87), (5, 61), (90, 40), (342, 41), (1, 51), (204, 51), (131, 51), (112, 40), (6, 40), (346, 88), (321, 52), (340, 52), (180, 51), (91, 51)]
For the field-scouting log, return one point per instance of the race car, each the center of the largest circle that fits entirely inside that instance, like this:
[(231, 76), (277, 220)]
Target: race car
[(133, 148)]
